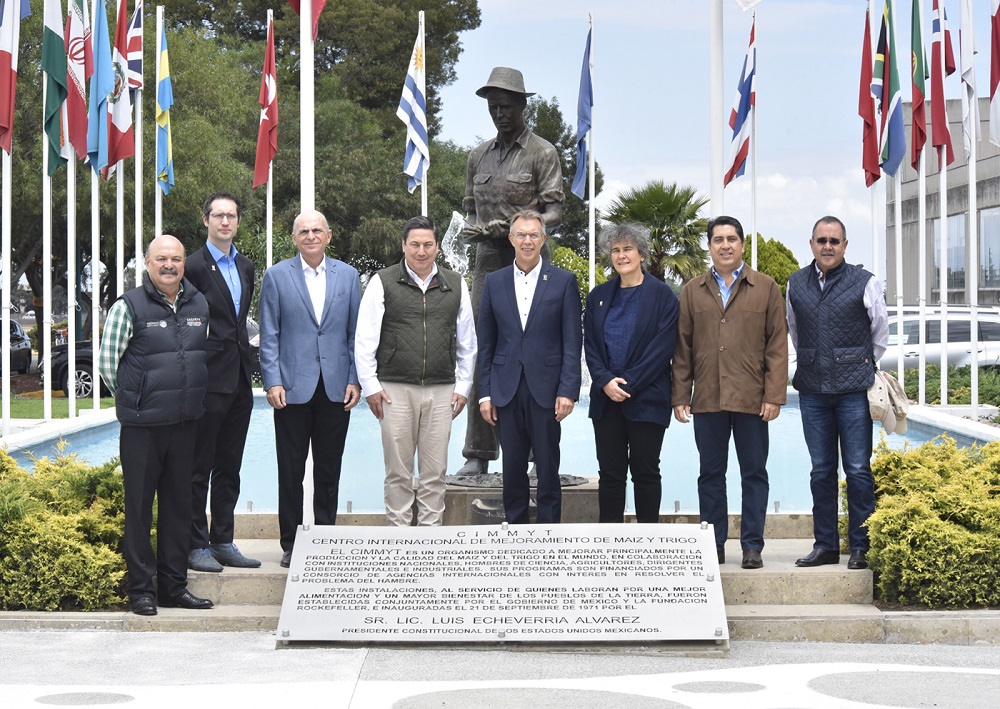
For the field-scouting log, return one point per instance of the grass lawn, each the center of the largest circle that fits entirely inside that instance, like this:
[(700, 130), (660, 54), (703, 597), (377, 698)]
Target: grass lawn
[(33, 408)]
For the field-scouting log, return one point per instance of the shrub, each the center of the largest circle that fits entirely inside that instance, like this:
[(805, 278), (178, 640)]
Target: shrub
[(936, 524), (580, 267), (60, 533)]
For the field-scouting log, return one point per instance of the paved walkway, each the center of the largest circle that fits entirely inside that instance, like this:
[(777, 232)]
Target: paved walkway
[(245, 670)]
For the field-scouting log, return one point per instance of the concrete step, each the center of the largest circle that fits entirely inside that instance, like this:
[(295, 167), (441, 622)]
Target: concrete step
[(780, 582)]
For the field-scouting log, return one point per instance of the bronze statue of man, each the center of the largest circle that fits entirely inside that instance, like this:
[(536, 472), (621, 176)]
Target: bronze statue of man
[(515, 171)]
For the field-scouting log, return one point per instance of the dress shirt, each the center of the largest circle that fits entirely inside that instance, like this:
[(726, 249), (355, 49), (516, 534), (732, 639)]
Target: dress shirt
[(874, 302), (117, 334), (227, 267), (524, 290), (725, 290), (369, 331), (316, 285)]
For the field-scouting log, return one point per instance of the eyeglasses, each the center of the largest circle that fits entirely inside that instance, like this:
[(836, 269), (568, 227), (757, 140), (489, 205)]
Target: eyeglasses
[(521, 236), (224, 217), (823, 241)]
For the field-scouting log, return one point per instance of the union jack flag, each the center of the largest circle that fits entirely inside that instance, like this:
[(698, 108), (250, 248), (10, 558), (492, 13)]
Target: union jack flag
[(134, 52)]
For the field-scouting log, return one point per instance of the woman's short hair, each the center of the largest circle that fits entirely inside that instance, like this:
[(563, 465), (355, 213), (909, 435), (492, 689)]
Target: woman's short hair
[(632, 234)]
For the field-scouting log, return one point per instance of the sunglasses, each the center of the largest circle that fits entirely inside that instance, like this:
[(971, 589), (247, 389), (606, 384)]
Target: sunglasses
[(823, 241)]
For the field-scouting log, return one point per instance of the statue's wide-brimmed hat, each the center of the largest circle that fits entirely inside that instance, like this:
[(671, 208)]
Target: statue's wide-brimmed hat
[(507, 79)]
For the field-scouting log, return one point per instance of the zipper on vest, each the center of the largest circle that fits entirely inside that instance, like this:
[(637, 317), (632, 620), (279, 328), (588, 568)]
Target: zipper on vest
[(423, 364)]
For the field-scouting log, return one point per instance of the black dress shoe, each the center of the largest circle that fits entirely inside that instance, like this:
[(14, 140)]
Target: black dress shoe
[(857, 560), (286, 559), (751, 559), (185, 599), (143, 605), (819, 557), (722, 554)]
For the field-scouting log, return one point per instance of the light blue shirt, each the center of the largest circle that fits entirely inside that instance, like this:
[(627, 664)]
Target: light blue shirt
[(725, 290), (229, 271)]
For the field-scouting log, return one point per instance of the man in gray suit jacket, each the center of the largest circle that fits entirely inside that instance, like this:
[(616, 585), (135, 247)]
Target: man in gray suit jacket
[(308, 315)]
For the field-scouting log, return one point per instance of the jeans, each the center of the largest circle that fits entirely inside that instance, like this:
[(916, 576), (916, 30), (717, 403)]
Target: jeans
[(829, 420), (711, 434)]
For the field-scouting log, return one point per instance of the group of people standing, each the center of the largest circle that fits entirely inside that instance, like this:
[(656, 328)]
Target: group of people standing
[(417, 346)]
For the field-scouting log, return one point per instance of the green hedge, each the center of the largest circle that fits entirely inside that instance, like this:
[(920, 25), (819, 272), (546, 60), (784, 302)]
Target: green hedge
[(60, 535), (935, 533)]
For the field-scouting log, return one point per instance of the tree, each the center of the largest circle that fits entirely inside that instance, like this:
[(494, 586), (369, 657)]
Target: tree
[(677, 230), (545, 118), (773, 258)]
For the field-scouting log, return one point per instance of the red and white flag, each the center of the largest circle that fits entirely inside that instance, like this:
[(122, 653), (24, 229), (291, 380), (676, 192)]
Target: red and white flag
[(317, 8), (940, 134), (995, 74), (267, 133), (10, 31), (121, 137), (866, 109), (79, 68)]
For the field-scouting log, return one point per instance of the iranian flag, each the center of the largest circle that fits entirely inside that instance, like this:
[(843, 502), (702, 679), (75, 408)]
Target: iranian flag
[(80, 66)]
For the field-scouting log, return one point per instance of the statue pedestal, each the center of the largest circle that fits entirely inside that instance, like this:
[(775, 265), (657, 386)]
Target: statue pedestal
[(484, 505)]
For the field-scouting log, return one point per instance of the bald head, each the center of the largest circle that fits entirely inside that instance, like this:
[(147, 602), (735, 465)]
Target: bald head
[(311, 234), (165, 264)]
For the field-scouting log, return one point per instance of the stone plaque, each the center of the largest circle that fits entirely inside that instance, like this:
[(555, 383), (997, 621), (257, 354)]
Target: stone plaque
[(538, 582)]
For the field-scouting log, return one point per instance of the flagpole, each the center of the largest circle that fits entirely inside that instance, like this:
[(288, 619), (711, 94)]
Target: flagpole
[(270, 214), (307, 108), (973, 272), (591, 172), (753, 157), (5, 262), (120, 227), (922, 278), (158, 193), (71, 276), (138, 187), (427, 166), (45, 335), (716, 119), (95, 282), (970, 138)]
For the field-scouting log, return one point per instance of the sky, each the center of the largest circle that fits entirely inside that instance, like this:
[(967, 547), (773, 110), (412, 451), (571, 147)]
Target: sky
[(651, 96)]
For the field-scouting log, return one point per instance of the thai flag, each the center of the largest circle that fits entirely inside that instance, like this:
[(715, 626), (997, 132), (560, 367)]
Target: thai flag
[(133, 53), (741, 117)]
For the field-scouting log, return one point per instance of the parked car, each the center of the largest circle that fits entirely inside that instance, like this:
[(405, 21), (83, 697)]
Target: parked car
[(84, 365), (959, 346), (20, 349)]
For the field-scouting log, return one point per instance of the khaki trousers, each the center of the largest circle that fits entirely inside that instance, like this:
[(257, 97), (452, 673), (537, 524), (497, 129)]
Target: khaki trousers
[(416, 423)]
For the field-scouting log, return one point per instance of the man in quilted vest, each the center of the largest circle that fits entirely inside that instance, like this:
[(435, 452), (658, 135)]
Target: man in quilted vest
[(839, 326), (415, 350)]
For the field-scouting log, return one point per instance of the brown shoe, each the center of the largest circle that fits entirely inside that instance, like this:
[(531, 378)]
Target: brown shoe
[(751, 559)]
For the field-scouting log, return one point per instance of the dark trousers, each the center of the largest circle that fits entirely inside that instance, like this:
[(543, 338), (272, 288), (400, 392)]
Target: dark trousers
[(524, 425), (480, 437), (156, 461), (624, 446), (324, 424), (221, 437), (711, 434), (833, 422)]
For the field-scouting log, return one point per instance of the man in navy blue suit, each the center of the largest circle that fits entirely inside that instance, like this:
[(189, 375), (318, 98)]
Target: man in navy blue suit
[(530, 341)]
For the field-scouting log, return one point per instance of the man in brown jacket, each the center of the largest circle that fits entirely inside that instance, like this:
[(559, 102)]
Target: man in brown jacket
[(732, 351)]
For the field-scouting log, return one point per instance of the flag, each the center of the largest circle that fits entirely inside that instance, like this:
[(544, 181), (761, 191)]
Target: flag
[(940, 135), (267, 133), (741, 117), (584, 115), (995, 74), (54, 66), (885, 87), (164, 101), (121, 136), (317, 7), (80, 66), (918, 67), (967, 54), (102, 83), (866, 109), (133, 52), (11, 14), (413, 112)]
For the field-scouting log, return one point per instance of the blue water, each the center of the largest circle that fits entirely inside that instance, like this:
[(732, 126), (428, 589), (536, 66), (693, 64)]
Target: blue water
[(362, 476)]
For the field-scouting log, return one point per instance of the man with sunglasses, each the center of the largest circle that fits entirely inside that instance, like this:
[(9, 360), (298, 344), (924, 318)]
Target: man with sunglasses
[(839, 327)]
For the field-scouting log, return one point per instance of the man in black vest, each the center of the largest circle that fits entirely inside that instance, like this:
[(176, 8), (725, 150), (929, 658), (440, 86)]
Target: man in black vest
[(153, 360), (839, 326), (415, 351), (225, 277)]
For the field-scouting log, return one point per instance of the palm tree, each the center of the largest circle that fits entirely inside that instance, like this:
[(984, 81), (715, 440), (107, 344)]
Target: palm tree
[(677, 229)]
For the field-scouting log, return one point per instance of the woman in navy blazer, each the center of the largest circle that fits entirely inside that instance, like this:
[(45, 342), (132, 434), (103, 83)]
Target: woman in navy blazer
[(630, 327)]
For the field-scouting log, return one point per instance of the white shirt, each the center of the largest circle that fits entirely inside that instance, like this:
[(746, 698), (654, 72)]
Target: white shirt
[(366, 337), (524, 290), (316, 285), (874, 302)]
